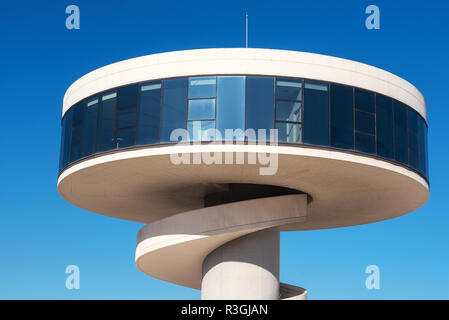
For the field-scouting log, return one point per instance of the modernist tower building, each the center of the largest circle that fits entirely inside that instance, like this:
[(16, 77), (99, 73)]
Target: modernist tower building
[(351, 149)]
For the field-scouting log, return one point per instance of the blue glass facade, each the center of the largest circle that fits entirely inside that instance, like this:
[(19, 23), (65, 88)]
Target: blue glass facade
[(304, 112)]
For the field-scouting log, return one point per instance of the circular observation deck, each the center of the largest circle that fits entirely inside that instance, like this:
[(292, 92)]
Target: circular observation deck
[(146, 140)]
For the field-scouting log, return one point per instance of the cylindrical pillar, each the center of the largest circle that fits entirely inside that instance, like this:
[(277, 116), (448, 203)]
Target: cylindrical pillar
[(244, 268)]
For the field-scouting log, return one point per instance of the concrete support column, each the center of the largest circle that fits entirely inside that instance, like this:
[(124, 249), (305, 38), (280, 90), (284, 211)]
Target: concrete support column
[(244, 268)]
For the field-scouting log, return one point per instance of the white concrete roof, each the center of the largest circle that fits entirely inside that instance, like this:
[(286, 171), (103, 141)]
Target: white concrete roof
[(245, 61)]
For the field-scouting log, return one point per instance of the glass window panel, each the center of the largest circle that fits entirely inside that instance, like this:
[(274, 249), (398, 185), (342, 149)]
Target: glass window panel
[(197, 130), (289, 111), (289, 132), (260, 104), (75, 152), (202, 87), (126, 118), (364, 100), (127, 96), (364, 122), (90, 127), (202, 109), (174, 107), (66, 137), (230, 104), (384, 126), (413, 140), (422, 134), (365, 143), (149, 113), (76, 133), (106, 123), (316, 113), (400, 132), (61, 147), (342, 117), (77, 113), (289, 89), (412, 119), (413, 159), (125, 138)]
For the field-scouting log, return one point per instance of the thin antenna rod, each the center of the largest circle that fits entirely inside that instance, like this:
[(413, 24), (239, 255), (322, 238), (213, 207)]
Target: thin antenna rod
[(247, 30)]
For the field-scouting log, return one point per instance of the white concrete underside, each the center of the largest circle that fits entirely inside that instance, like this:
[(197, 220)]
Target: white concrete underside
[(245, 61), (143, 185)]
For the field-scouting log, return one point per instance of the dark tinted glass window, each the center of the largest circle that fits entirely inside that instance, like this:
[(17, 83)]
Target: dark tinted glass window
[(127, 96), (125, 137), (289, 89), (61, 147), (316, 113), (413, 158), (384, 126), (400, 132), (412, 119), (66, 131), (202, 87), (77, 113), (364, 100), (201, 109), (77, 127), (230, 104), (260, 103), (174, 107), (342, 117), (106, 122), (364, 122), (289, 132), (75, 152), (149, 113), (126, 118), (77, 132), (289, 111), (413, 140), (365, 143), (90, 127), (422, 133)]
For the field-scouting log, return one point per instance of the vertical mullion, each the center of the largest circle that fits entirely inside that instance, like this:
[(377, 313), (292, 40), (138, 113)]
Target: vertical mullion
[(215, 116), (115, 123), (353, 119), (330, 87), (302, 111), (137, 114), (418, 151), (188, 101), (408, 140), (160, 111), (375, 123), (275, 102)]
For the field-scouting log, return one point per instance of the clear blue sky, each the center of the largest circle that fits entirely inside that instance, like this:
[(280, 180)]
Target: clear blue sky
[(40, 233)]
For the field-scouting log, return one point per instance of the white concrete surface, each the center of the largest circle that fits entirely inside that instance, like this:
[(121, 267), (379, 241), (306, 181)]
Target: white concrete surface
[(246, 268), (245, 61), (189, 237)]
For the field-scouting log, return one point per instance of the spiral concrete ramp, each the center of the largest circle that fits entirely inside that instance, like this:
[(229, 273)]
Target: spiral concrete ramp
[(229, 251)]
